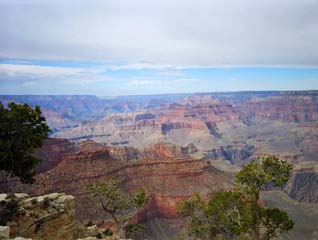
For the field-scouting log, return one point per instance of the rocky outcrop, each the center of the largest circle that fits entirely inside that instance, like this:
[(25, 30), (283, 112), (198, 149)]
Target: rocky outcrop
[(4, 232), (144, 116), (280, 123), (213, 129), (303, 185), (237, 153), (157, 151), (50, 217), (131, 128), (64, 111), (161, 169), (166, 127), (52, 152), (165, 151), (287, 107), (124, 153)]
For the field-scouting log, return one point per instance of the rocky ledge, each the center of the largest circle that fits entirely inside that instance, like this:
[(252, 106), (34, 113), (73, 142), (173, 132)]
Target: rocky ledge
[(50, 216)]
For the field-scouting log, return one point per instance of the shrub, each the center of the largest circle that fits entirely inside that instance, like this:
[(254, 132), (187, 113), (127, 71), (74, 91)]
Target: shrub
[(46, 203), (99, 236), (108, 232), (8, 209), (34, 201), (89, 224)]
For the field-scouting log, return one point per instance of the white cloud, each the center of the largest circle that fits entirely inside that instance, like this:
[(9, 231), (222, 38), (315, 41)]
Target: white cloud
[(138, 66), (16, 70), (163, 82), (67, 75), (172, 73), (166, 32), (29, 84)]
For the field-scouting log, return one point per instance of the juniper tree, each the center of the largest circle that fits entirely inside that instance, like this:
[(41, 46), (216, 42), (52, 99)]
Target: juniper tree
[(22, 131), (118, 204), (235, 213)]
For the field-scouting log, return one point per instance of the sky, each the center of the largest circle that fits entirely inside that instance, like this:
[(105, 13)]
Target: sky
[(133, 47)]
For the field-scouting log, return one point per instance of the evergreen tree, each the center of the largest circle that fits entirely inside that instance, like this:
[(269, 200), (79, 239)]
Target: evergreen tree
[(120, 205), (22, 131), (237, 214)]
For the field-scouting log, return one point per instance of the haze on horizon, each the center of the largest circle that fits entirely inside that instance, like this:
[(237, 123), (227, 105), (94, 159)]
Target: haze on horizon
[(122, 47)]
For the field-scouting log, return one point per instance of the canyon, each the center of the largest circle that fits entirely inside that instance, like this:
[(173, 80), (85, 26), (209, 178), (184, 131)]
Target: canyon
[(175, 145), (232, 127)]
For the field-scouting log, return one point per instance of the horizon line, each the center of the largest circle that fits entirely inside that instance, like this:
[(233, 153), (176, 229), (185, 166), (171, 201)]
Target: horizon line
[(160, 94)]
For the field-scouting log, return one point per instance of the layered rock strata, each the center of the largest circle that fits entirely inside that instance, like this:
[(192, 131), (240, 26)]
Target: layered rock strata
[(303, 185), (163, 170)]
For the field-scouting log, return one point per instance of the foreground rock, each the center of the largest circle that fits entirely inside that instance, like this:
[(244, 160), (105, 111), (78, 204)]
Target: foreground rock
[(48, 217), (4, 232)]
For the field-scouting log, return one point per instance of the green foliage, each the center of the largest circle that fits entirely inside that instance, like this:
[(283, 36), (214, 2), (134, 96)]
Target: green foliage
[(109, 196), (251, 178), (134, 231), (267, 169), (8, 209), (191, 206), (120, 205), (237, 214), (230, 213), (275, 222), (22, 131), (140, 199), (278, 170), (180, 236), (225, 213), (108, 232), (89, 223), (99, 236)]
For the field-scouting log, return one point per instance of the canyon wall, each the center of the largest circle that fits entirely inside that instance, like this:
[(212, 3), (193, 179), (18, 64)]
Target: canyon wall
[(303, 185), (163, 170)]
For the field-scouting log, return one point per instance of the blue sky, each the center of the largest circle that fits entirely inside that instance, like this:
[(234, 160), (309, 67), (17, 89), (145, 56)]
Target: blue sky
[(124, 47), (102, 79)]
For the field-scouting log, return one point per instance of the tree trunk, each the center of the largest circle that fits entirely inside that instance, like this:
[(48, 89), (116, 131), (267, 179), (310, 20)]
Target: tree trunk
[(121, 231), (4, 182), (121, 227)]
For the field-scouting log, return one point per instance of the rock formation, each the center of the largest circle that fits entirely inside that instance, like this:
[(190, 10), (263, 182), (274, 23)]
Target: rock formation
[(303, 185), (173, 146), (165, 171), (236, 154), (52, 152), (49, 217), (287, 107)]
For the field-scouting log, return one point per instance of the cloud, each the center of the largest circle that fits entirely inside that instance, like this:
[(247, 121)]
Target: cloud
[(171, 73), (165, 33), (138, 66), (16, 70), (67, 75), (29, 84), (163, 82)]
